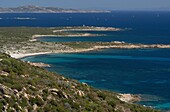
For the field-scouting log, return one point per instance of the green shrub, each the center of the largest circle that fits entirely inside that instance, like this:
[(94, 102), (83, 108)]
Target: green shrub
[(102, 95)]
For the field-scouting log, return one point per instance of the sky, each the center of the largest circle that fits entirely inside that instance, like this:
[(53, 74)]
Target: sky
[(92, 4)]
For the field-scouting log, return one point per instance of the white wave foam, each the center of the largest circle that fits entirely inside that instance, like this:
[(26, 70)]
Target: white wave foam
[(20, 18)]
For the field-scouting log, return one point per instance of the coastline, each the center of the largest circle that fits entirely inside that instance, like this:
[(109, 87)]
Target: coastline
[(74, 29), (39, 64), (116, 45), (35, 80), (129, 98), (124, 97), (31, 51), (88, 28), (19, 56), (69, 35), (126, 46)]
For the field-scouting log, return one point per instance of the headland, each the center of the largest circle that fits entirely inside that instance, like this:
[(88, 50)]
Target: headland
[(17, 42), (23, 41)]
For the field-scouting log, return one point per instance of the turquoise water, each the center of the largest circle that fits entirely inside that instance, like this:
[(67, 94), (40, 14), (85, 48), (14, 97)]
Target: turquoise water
[(139, 71)]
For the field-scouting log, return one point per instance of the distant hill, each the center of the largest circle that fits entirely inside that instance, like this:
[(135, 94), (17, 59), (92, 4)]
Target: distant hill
[(38, 9)]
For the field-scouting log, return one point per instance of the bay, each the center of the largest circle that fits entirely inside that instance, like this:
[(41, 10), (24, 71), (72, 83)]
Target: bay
[(138, 71)]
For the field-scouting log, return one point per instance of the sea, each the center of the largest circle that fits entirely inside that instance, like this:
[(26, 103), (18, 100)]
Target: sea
[(145, 72)]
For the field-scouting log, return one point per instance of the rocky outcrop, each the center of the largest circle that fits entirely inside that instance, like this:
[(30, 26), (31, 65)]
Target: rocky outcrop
[(2, 73), (129, 98), (39, 64), (4, 90)]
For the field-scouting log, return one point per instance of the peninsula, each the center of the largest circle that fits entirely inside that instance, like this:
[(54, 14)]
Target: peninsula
[(24, 86), (22, 41)]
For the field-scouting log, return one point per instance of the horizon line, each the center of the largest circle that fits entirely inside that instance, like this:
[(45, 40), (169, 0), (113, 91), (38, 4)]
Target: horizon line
[(135, 9)]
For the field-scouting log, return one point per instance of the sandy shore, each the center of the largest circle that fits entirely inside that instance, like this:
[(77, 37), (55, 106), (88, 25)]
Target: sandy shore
[(20, 55), (69, 35), (123, 46)]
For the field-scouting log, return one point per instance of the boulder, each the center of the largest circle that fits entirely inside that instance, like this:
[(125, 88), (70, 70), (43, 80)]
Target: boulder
[(6, 90)]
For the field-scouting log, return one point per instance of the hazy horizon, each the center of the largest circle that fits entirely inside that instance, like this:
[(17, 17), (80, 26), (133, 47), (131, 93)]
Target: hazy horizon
[(95, 4), (146, 9)]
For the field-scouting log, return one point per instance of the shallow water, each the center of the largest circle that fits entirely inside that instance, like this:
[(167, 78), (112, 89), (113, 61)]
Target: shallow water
[(138, 71)]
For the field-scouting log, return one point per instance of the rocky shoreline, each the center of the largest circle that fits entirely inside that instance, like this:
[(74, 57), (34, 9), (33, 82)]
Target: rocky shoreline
[(83, 28), (39, 64), (88, 28), (129, 98)]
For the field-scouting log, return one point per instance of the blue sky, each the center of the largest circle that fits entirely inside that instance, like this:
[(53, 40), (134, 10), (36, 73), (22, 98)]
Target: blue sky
[(91, 4)]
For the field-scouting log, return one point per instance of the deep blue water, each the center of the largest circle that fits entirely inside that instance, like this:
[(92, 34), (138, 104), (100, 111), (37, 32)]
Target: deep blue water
[(159, 21), (139, 71), (147, 27), (129, 36)]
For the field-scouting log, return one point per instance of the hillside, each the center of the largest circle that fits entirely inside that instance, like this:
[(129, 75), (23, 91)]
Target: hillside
[(38, 9), (25, 88)]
